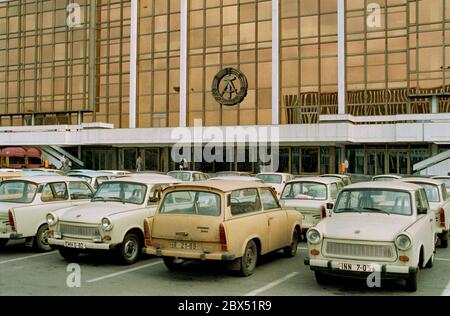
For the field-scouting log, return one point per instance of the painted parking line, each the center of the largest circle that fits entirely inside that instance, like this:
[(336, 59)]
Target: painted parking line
[(442, 259), (112, 275), (272, 284), (27, 257)]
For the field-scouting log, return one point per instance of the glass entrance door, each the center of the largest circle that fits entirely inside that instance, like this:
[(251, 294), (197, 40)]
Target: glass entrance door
[(398, 162), (375, 162)]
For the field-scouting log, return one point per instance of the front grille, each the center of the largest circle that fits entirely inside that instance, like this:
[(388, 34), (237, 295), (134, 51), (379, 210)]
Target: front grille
[(359, 250), (79, 231)]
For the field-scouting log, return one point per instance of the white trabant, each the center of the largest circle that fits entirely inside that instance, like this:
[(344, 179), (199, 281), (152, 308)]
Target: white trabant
[(386, 177), (439, 202), (188, 176), (311, 197), (377, 227), (446, 180), (25, 202), (276, 180), (113, 221)]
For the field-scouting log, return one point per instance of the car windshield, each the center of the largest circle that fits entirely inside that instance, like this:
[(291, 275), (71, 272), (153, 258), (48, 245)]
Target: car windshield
[(182, 176), (270, 178), (17, 191), (431, 190), (374, 201), (124, 192), (379, 179), (305, 191), (191, 203)]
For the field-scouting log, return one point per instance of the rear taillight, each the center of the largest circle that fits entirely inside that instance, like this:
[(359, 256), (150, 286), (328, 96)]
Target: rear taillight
[(324, 212), (147, 236), (11, 221), (442, 217), (223, 238)]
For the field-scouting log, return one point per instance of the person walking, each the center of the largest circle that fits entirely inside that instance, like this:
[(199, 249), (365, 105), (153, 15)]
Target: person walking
[(139, 164)]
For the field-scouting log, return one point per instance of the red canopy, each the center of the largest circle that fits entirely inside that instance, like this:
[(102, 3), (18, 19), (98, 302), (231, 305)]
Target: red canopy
[(13, 152), (34, 153)]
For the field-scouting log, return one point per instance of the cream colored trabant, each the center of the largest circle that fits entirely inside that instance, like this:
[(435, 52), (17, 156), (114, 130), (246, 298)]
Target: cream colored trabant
[(311, 197), (383, 227), (112, 221), (440, 204), (24, 203), (230, 221)]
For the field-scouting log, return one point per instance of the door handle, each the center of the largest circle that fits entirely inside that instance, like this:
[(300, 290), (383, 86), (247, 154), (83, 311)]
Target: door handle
[(182, 234)]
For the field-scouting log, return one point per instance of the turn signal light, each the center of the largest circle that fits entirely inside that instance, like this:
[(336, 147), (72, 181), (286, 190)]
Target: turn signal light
[(404, 258), (315, 252), (442, 217), (107, 238), (11, 221)]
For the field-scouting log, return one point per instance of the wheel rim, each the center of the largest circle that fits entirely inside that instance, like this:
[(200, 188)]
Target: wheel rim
[(44, 238), (250, 257), (294, 244), (130, 249)]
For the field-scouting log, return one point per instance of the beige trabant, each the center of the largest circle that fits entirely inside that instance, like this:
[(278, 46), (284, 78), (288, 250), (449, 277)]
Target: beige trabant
[(230, 221)]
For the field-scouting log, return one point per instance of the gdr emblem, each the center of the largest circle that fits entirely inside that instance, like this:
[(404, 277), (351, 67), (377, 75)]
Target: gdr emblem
[(229, 87)]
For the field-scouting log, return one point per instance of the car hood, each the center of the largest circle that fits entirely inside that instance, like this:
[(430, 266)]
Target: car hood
[(94, 212), (367, 226)]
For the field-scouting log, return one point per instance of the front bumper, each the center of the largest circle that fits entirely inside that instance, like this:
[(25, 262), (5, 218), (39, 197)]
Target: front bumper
[(188, 254), (61, 243), (11, 236), (387, 271)]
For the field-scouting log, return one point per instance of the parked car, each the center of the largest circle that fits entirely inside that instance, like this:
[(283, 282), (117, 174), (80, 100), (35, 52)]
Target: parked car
[(311, 197), (117, 172), (24, 203), (232, 174), (276, 180), (345, 178), (439, 202), (446, 180), (237, 178), (10, 175), (383, 227), (386, 177), (94, 178), (188, 176), (113, 221), (228, 221)]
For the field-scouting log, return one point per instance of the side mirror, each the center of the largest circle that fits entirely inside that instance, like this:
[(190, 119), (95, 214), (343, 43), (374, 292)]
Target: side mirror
[(153, 200), (330, 206), (422, 211)]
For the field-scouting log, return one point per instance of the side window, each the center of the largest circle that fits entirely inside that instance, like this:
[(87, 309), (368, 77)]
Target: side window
[(418, 200), (79, 191), (269, 202), (444, 192), (244, 202), (334, 191), (54, 192), (196, 177)]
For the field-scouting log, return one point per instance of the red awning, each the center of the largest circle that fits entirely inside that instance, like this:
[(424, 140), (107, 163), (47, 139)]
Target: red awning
[(34, 153), (13, 152)]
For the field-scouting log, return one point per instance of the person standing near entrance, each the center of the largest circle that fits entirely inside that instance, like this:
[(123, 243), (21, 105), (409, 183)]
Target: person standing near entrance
[(346, 166), (139, 164)]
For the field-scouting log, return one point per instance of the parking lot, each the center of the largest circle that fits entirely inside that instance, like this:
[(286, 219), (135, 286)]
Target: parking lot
[(23, 272)]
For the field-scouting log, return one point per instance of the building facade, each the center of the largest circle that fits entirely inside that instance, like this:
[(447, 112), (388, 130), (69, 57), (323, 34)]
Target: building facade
[(362, 80)]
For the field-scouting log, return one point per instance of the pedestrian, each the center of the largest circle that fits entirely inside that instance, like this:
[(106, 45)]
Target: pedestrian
[(346, 165), (139, 164)]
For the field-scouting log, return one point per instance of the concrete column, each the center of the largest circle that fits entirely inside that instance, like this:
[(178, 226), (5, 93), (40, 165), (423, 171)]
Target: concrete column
[(275, 62), (341, 57), (183, 61), (133, 62)]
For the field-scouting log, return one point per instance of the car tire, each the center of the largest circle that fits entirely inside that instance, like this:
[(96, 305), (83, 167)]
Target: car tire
[(249, 259), (3, 242), (40, 242), (169, 262), (430, 262), (291, 250), (129, 251), (321, 278), (70, 255), (411, 282)]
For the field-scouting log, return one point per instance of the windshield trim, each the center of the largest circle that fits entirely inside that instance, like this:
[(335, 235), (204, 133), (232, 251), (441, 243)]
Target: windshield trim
[(412, 203)]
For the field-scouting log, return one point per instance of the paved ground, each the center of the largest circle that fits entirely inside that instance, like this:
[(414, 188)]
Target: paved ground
[(23, 272)]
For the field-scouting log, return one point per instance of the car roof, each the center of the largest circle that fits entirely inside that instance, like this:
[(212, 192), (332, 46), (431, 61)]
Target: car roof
[(222, 185), (334, 175), (237, 178), (91, 174), (274, 173), (441, 177), (387, 176), (146, 179), (390, 185), (423, 180), (321, 180), (45, 179)]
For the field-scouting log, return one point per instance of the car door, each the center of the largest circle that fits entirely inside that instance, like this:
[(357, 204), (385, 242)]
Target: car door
[(428, 221), (277, 220)]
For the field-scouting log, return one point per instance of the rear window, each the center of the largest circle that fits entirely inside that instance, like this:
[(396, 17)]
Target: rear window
[(191, 203), (270, 178), (17, 192), (304, 191)]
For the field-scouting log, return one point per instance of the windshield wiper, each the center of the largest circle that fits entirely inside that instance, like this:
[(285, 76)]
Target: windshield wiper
[(98, 198), (377, 210), (348, 210)]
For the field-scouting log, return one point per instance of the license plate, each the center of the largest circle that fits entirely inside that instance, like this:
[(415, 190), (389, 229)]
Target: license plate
[(74, 244), (183, 245), (355, 267)]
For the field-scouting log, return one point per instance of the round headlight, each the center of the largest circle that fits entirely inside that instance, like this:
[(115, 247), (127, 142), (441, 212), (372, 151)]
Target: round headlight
[(51, 219), (106, 224), (313, 236), (403, 242)]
